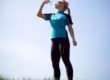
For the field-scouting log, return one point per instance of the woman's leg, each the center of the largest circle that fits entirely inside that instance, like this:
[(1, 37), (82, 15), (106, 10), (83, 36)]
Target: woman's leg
[(55, 57), (65, 54)]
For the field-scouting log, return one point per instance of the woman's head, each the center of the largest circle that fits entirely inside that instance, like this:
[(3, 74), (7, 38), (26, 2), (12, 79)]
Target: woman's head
[(61, 5)]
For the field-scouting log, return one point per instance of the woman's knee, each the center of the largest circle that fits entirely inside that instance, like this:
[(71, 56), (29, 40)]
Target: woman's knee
[(67, 63)]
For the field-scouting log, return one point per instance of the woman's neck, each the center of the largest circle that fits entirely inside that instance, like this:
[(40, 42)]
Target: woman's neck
[(61, 11)]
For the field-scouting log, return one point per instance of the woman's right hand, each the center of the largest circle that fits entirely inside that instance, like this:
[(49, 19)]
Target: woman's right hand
[(46, 1)]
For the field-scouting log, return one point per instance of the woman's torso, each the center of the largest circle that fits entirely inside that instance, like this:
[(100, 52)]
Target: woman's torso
[(58, 22)]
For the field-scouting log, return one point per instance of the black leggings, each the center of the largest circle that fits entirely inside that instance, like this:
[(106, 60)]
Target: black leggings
[(61, 48)]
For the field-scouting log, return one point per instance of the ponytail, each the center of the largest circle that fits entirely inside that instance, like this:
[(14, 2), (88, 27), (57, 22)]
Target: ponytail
[(66, 7), (69, 12)]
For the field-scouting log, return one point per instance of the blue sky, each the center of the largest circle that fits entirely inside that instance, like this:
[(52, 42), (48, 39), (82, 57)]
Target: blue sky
[(25, 39)]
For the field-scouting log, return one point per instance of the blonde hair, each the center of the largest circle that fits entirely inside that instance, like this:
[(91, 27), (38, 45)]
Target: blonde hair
[(66, 7)]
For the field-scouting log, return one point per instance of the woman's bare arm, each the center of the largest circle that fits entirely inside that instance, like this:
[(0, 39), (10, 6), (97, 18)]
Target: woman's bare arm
[(71, 31), (40, 14)]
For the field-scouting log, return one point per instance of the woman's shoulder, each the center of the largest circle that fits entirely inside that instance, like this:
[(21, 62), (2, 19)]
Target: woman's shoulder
[(67, 15), (48, 13), (69, 18)]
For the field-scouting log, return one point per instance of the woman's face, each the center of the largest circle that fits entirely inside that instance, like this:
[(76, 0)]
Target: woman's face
[(60, 5)]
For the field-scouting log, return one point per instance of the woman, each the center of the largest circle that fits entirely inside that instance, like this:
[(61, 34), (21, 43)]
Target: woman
[(59, 37)]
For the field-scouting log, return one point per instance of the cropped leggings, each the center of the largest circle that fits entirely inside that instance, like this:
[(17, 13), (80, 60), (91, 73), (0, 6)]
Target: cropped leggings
[(61, 48)]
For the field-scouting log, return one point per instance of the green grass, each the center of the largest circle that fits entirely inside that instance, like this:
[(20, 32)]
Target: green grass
[(45, 78), (5, 78)]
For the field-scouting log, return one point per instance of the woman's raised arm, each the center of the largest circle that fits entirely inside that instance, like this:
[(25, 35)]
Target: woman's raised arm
[(40, 14)]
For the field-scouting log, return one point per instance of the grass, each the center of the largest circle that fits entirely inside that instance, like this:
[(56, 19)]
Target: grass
[(5, 78), (46, 78)]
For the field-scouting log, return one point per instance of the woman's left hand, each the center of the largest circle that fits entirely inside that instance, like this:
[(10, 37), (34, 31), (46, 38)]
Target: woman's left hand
[(74, 42)]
